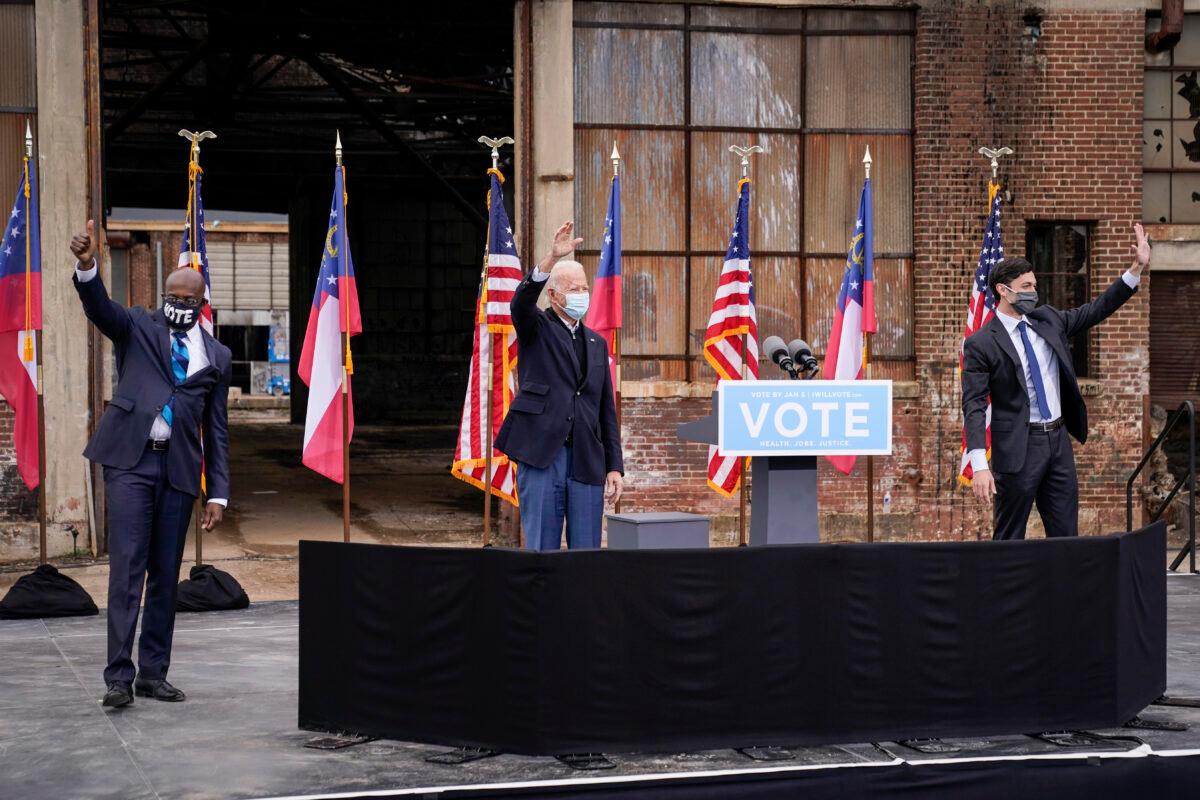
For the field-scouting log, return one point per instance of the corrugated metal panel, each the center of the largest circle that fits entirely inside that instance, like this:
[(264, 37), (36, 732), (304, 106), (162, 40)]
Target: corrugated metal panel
[(859, 82), (12, 145), (774, 197), (865, 20), (746, 80), (777, 295), (653, 315), (252, 276), (1175, 338), (652, 187), (833, 179), (893, 304), (220, 272), (628, 76), (726, 17), (654, 307), (649, 13), (17, 56), (279, 275)]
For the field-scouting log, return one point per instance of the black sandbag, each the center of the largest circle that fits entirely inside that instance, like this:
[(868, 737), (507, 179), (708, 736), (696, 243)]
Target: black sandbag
[(210, 589), (44, 593)]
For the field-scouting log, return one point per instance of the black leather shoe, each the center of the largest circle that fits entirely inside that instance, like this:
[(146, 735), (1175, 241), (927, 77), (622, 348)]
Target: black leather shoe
[(118, 695), (159, 690)]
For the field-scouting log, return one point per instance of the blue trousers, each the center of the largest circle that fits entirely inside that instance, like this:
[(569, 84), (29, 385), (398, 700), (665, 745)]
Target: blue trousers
[(548, 495), (147, 526)]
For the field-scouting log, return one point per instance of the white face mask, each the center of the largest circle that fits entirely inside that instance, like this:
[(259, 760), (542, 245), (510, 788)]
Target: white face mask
[(575, 305)]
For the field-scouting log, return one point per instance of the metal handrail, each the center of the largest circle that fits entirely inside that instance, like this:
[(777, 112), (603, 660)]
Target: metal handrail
[(1186, 410)]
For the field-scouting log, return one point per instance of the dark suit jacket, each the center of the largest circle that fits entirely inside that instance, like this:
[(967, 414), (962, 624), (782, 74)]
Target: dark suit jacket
[(145, 381), (992, 367), (556, 398)]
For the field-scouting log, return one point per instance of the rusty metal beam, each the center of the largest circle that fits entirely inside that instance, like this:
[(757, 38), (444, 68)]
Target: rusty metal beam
[(145, 101), (347, 93)]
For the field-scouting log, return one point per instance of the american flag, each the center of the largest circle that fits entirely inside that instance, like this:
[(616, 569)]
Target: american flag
[(494, 354), (192, 252), (733, 333), (982, 308)]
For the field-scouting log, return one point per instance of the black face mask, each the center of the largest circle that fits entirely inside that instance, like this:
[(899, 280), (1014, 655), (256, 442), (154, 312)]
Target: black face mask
[(1024, 302), (180, 317)]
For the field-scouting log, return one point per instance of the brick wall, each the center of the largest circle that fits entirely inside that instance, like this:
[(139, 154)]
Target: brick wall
[(16, 501), (1069, 102)]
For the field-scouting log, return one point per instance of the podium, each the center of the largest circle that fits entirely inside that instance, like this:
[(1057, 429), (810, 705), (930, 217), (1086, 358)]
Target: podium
[(784, 503), (785, 426)]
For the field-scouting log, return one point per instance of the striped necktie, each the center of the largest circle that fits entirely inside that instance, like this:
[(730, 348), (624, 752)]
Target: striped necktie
[(179, 366)]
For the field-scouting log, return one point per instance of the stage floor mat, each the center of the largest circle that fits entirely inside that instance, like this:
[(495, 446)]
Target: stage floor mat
[(236, 736)]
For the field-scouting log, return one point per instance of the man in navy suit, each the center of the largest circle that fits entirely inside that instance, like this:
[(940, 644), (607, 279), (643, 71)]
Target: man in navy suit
[(561, 428), (1021, 361), (173, 381)]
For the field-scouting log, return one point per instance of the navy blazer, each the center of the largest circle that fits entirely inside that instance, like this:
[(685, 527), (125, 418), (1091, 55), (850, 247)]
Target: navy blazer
[(555, 398), (991, 367), (145, 381)]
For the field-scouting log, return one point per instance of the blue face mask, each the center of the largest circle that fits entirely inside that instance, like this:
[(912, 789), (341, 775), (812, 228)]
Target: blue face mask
[(577, 305)]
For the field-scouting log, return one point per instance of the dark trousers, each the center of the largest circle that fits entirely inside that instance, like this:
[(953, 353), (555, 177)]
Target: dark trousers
[(147, 526), (1047, 479)]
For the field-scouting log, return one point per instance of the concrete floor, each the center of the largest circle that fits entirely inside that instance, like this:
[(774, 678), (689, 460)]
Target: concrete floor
[(402, 493), (236, 735)]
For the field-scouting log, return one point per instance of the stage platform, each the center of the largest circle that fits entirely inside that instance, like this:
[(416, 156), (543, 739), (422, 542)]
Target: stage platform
[(236, 736)]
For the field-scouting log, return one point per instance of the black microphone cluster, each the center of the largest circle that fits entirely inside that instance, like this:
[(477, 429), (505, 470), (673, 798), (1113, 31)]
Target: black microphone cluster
[(793, 358)]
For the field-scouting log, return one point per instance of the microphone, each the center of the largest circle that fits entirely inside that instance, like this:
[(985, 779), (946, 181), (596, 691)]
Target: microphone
[(777, 351), (802, 356)]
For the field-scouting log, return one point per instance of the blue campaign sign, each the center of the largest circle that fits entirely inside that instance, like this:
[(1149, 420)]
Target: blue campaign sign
[(805, 418)]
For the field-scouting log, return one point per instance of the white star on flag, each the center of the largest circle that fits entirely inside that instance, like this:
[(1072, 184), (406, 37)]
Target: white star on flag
[(16, 213), (332, 280)]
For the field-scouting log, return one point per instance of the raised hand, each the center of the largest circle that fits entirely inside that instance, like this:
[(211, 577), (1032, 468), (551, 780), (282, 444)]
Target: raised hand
[(564, 244), (1141, 250), (83, 245)]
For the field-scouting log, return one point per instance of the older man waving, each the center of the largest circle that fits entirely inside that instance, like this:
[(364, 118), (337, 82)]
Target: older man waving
[(561, 428)]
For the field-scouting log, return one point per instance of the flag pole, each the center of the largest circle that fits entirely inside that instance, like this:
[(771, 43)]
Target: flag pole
[(36, 337), (485, 371), (616, 164), (347, 361), (744, 462), (193, 212), (867, 372)]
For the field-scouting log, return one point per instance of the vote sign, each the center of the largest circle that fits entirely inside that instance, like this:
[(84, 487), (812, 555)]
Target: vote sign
[(805, 418)]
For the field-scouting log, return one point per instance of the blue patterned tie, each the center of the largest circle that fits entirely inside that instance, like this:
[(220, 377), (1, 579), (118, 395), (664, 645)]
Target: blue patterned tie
[(179, 365), (1035, 369)]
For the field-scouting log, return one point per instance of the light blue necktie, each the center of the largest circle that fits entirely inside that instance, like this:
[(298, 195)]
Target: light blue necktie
[(1035, 369), (179, 365)]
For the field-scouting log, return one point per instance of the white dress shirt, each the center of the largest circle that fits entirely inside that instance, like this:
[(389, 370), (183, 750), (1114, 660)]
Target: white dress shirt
[(1048, 367), (197, 360)]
